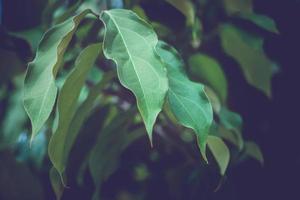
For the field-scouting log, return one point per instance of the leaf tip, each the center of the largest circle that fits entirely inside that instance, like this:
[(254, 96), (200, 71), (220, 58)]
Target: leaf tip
[(202, 147)]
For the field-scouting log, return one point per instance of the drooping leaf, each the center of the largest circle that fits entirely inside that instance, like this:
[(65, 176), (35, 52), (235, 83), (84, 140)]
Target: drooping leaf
[(214, 99), (187, 99), (56, 183), (220, 152), (261, 21), (248, 51), (230, 120), (253, 150), (104, 160), (231, 127), (130, 42), (207, 70), (186, 7), (40, 89), (84, 111), (244, 9), (231, 136), (67, 103)]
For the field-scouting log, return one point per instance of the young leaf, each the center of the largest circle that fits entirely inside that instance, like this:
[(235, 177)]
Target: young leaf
[(67, 103), (187, 99), (208, 70), (130, 42), (186, 7), (253, 150), (220, 152), (39, 87), (248, 51)]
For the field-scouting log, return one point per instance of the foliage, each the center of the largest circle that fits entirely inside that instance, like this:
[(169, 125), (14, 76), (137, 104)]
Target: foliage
[(87, 101)]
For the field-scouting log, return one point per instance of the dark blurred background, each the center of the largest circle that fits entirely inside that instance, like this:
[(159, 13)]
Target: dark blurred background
[(273, 124)]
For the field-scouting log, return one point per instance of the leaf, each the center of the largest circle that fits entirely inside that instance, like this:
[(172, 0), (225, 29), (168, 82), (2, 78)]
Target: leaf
[(244, 9), (253, 150), (186, 7), (248, 51), (220, 152), (233, 137), (56, 183), (231, 127), (130, 42), (214, 99), (230, 120), (208, 71), (261, 21), (84, 111), (187, 99), (104, 160), (67, 103), (39, 87)]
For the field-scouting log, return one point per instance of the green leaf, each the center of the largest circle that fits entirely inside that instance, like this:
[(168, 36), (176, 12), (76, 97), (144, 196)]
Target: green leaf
[(56, 183), (253, 150), (233, 137), (104, 160), (130, 42), (186, 7), (214, 99), (230, 120), (40, 89), (231, 127), (208, 71), (261, 21), (220, 152), (67, 103), (248, 51), (187, 99)]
